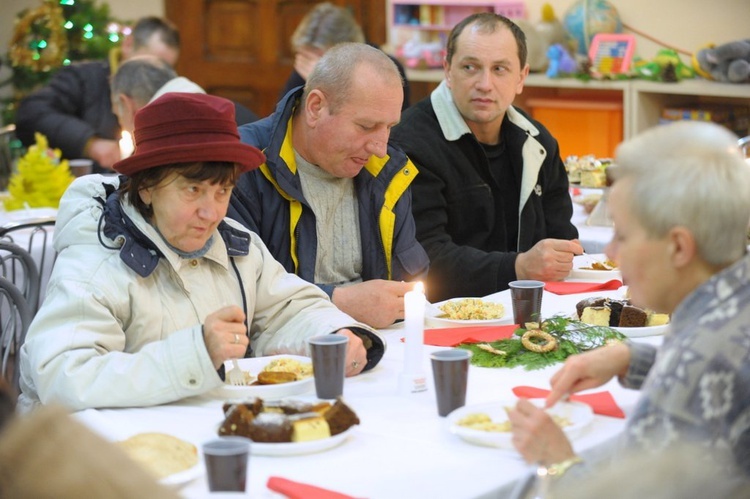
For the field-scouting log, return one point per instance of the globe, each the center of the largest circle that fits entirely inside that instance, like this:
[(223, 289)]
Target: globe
[(586, 18)]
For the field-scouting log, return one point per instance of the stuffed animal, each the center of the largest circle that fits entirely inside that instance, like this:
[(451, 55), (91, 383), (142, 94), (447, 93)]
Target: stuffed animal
[(561, 63), (729, 62)]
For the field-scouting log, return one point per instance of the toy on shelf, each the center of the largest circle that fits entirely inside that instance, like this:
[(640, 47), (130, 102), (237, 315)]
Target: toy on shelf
[(666, 67), (729, 62), (561, 63)]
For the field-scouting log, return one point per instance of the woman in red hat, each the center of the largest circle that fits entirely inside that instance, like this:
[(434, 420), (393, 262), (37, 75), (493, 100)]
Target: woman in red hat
[(153, 289)]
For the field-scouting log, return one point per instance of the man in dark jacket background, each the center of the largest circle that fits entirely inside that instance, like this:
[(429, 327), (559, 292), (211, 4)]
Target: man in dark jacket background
[(491, 202), (332, 201), (74, 110)]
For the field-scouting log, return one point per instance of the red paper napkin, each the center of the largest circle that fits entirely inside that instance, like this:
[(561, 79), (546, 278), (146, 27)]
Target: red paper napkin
[(571, 288), (452, 336), (299, 490), (601, 402)]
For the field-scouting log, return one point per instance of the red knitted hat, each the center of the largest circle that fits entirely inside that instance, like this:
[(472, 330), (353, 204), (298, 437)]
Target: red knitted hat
[(186, 128)]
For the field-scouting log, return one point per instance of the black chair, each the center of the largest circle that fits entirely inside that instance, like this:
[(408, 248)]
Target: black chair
[(40, 230), (17, 265), (15, 317)]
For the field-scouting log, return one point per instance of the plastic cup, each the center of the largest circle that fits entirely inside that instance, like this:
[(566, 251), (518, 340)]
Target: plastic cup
[(450, 371), (80, 167), (526, 297), (226, 461), (328, 354)]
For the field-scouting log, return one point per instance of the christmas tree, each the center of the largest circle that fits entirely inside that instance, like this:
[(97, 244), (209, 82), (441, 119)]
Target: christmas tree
[(53, 35)]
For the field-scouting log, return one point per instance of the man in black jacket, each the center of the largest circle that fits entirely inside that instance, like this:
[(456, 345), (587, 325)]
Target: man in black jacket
[(74, 111), (491, 202)]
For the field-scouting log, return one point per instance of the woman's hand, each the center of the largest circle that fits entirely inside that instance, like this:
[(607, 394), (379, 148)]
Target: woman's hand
[(356, 354), (225, 335), (536, 436)]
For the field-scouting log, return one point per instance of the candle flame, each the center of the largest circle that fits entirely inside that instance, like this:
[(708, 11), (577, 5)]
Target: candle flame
[(419, 287), (126, 145)]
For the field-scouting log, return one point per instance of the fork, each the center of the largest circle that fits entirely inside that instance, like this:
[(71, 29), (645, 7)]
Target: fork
[(235, 375)]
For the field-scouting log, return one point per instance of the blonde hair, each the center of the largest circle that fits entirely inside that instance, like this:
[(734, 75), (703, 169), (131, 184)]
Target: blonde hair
[(325, 26), (690, 174)]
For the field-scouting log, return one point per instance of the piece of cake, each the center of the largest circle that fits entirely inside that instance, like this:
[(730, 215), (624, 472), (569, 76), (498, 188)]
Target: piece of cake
[(309, 426), (340, 417), (296, 406), (237, 419), (615, 307), (596, 316), (593, 178), (654, 319), (255, 406), (589, 302), (270, 427), (632, 317)]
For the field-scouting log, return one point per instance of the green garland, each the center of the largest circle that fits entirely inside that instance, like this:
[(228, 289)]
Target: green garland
[(572, 337)]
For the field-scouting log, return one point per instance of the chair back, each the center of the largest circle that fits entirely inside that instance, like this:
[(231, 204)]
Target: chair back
[(15, 318), (17, 265), (37, 232)]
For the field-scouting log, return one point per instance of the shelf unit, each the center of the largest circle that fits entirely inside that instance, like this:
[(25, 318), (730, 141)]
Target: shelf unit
[(423, 25), (642, 101)]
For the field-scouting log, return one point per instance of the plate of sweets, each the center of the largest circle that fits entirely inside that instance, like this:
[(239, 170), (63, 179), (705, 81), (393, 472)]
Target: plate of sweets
[(468, 312), (594, 267), (488, 424), (271, 377), (621, 315), (289, 427), (172, 460)]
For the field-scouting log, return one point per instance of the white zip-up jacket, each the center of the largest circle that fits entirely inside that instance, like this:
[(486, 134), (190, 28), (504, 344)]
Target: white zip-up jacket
[(121, 325)]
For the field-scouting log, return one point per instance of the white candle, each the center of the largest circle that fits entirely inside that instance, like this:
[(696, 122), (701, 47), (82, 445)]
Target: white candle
[(413, 378), (126, 145)]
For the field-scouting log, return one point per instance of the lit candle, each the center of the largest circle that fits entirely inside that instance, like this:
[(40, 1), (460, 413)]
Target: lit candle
[(413, 379), (126, 145)]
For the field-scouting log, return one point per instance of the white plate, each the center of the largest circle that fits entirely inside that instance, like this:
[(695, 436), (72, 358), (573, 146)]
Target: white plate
[(297, 448), (433, 311), (638, 332), (592, 275), (579, 414), (266, 392), (182, 477)]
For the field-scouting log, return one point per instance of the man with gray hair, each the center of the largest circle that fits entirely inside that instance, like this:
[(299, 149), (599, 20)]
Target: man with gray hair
[(145, 78), (680, 203), (332, 201)]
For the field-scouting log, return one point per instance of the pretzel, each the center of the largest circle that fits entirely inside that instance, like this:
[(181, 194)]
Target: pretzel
[(549, 342)]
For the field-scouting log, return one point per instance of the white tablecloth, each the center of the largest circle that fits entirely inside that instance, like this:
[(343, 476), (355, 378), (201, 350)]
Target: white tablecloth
[(402, 449)]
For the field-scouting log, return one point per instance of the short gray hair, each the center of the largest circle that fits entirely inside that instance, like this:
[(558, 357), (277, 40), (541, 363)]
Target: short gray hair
[(325, 26), (140, 77), (334, 72), (690, 174)]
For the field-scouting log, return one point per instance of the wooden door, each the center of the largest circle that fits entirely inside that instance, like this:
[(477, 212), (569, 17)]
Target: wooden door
[(239, 49)]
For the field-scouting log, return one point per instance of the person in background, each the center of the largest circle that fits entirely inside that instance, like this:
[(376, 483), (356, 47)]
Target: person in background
[(324, 26), (74, 110), (332, 201), (145, 78), (153, 289), (491, 202), (671, 185)]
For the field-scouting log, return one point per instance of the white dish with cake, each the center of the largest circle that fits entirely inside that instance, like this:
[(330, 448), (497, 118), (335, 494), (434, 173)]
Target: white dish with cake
[(254, 365), (620, 314), (594, 267), (466, 421), (299, 448), (172, 460), (448, 313)]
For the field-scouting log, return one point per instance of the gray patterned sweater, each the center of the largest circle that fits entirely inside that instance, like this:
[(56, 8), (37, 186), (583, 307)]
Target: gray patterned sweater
[(696, 386)]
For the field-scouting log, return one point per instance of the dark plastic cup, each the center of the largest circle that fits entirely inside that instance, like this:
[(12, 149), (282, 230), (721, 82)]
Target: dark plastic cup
[(450, 371), (226, 461), (526, 297), (328, 354)]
